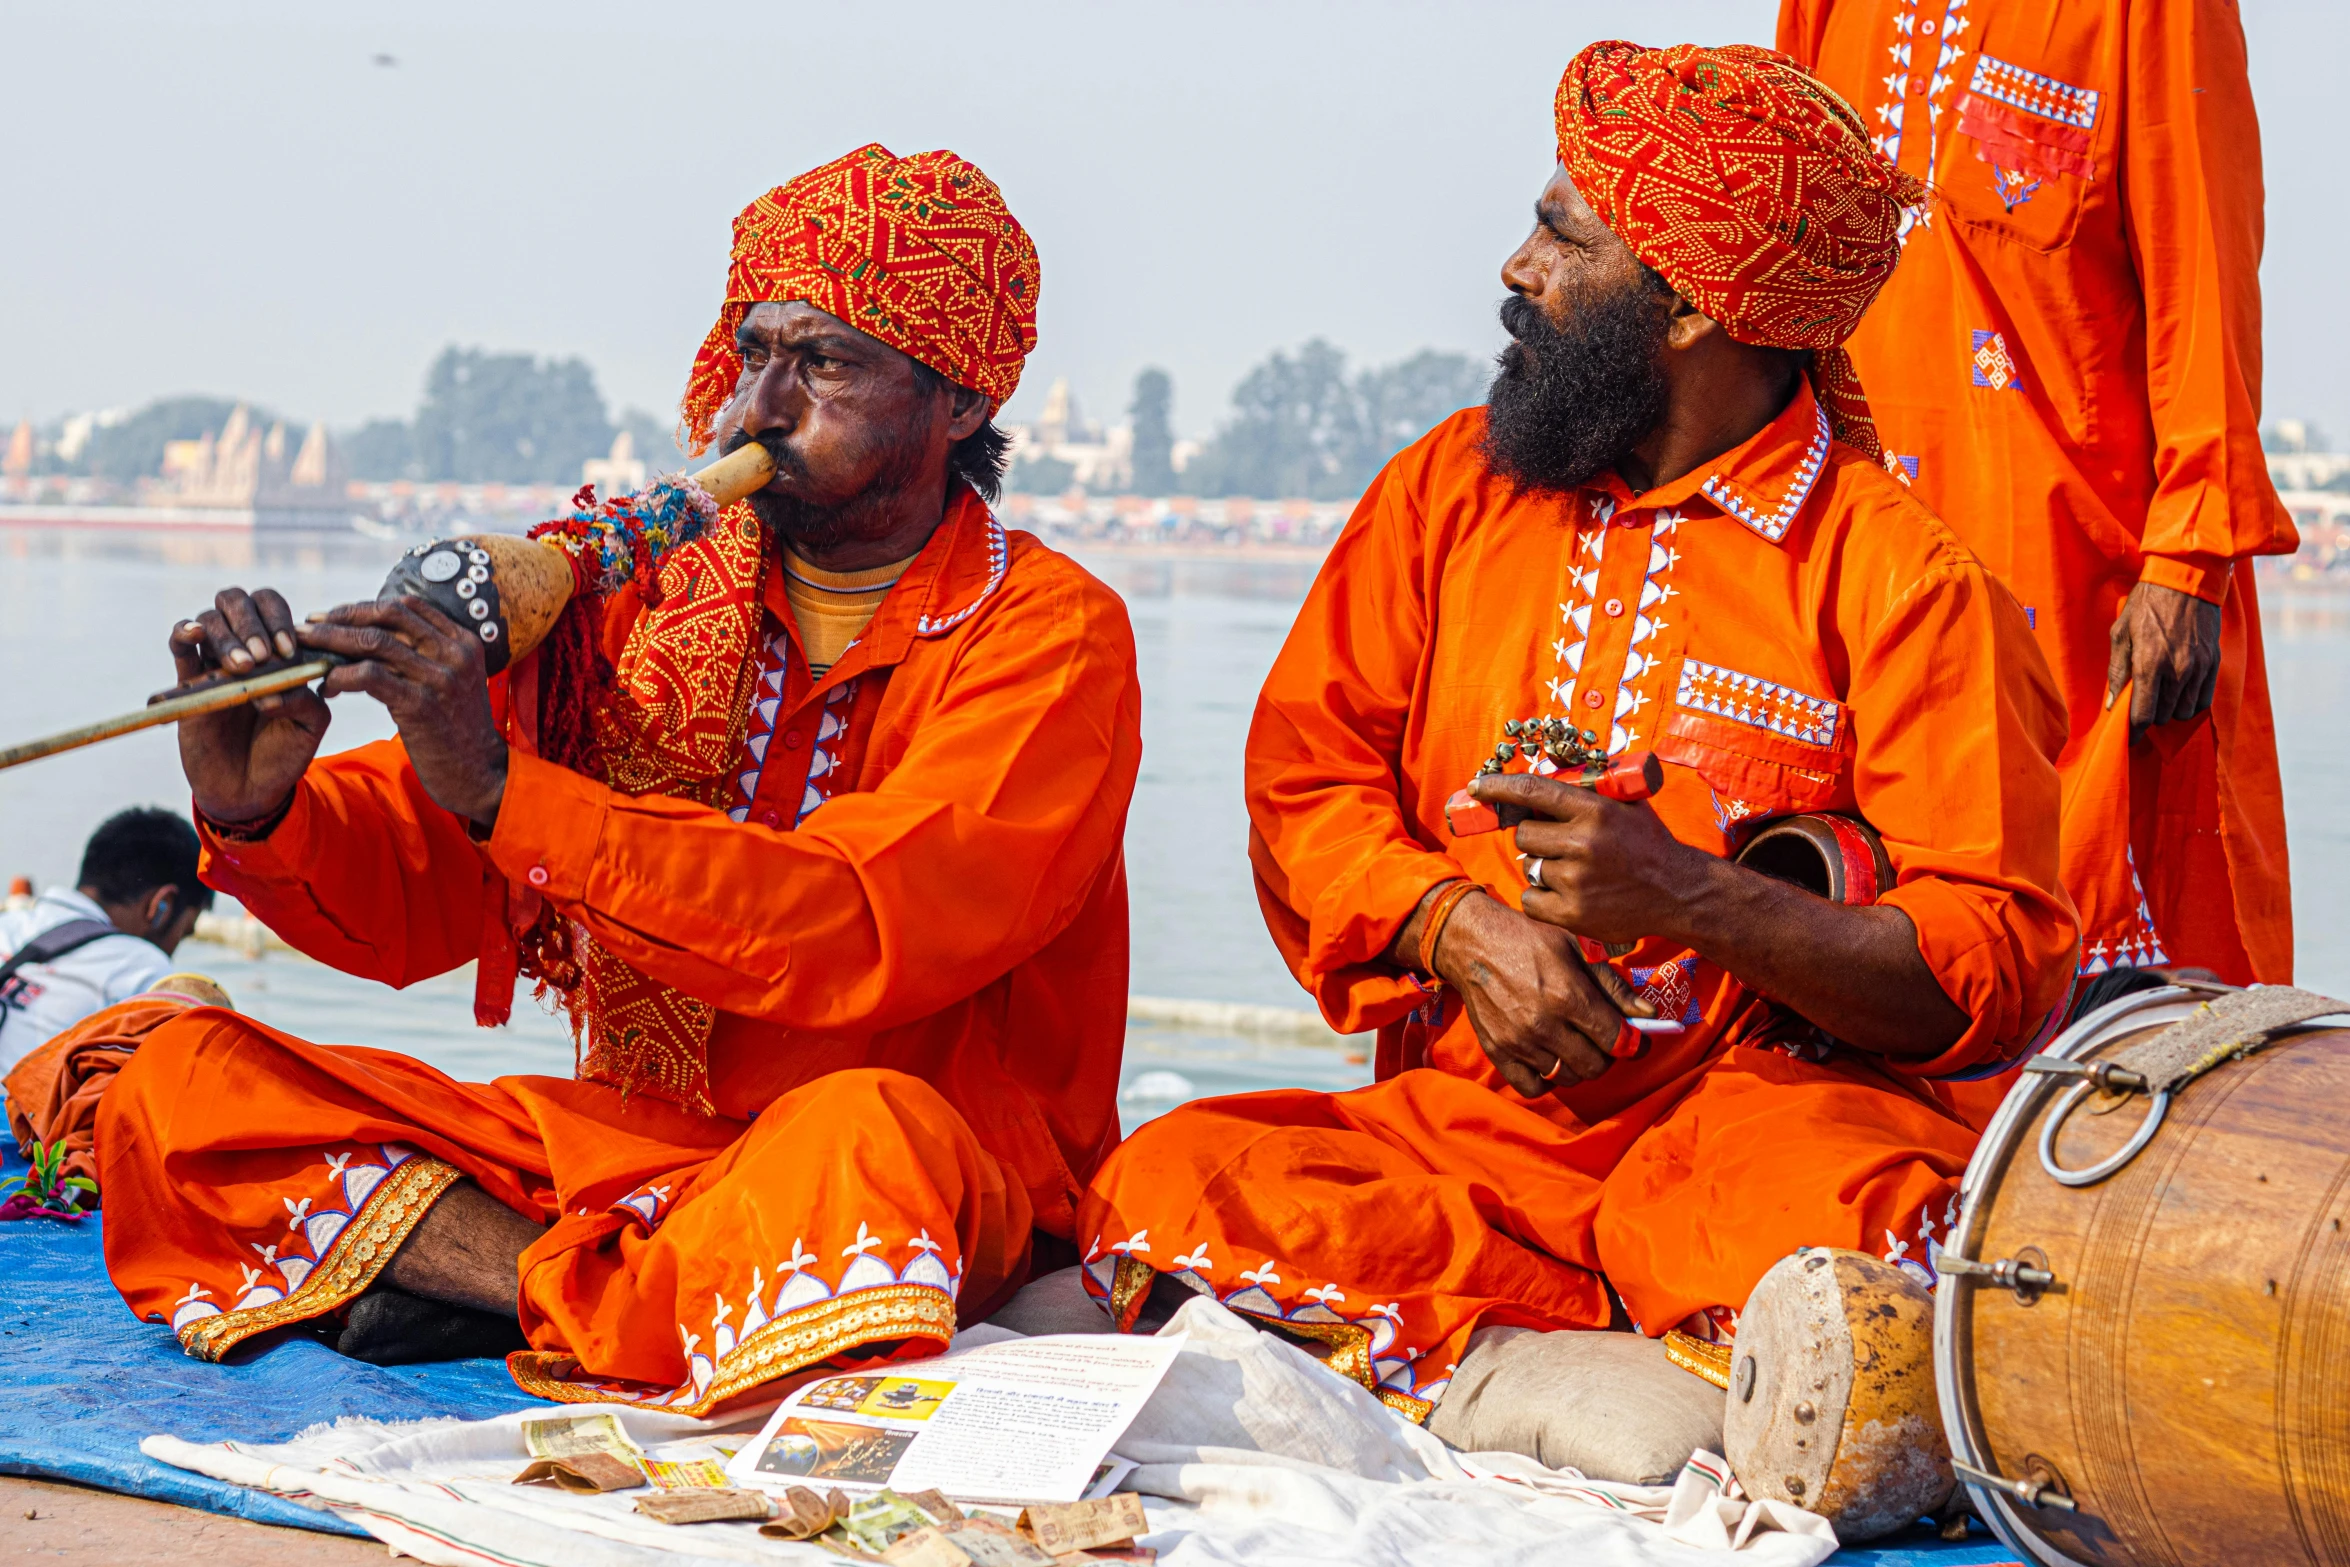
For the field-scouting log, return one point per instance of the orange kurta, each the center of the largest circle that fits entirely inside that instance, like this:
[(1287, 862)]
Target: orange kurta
[(915, 935), (1790, 630), (2066, 366)]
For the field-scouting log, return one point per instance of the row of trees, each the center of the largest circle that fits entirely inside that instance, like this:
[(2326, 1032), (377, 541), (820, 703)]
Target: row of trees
[(1301, 424), (502, 417)]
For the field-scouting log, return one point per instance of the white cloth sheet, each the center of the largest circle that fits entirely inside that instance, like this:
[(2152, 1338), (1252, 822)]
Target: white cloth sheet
[(1248, 1453)]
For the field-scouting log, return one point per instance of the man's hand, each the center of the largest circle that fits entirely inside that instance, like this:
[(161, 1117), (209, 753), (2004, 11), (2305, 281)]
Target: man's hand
[(1542, 1016), (2165, 647), (1614, 872), (1601, 869), (428, 671), (243, 762)]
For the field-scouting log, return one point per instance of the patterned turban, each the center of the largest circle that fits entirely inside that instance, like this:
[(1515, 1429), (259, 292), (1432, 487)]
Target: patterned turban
[(1750, 186), (919, 252)]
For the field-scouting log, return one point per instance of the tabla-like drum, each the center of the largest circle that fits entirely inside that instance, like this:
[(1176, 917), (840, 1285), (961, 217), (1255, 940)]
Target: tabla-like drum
[(2142, 1334)]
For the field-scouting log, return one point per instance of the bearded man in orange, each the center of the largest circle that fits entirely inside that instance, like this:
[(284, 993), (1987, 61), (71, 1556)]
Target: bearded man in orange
[(2067, 368), (840, 908), (1668, 531)]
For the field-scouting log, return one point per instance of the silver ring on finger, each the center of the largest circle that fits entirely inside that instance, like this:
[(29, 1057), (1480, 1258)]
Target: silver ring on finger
[(1533, 869)]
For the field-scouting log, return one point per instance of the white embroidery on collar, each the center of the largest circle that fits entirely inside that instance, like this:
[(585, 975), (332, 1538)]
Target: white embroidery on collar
[(1773, 525), (998, 557)]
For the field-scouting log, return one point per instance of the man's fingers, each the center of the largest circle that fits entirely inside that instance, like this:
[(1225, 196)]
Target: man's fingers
[(244, 623), (2149, 674), (1528, 1082), (187, 649), (277, 621), (2117, 657), (371, 643), (1545, 797), (1619, 991), (408, 621), (375, 678), (305, 708), (2206, 691)]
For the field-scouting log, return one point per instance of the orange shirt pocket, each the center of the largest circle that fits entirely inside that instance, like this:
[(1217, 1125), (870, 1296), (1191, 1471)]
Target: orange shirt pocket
[(2029, 146), (1765, 748)]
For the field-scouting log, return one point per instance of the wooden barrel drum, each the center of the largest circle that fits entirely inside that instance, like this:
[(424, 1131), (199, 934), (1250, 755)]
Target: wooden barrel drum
[(2142, 1337)]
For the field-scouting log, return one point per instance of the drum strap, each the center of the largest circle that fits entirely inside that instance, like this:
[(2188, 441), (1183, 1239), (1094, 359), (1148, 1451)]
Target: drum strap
[(2225, 1027)]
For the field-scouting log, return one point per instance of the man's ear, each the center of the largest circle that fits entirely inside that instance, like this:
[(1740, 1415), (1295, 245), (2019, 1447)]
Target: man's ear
[(1686, 326), (966, 411), (159, 908)]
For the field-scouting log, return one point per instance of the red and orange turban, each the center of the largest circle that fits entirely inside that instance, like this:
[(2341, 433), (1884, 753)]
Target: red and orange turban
[(920, 252), (1750, 186)]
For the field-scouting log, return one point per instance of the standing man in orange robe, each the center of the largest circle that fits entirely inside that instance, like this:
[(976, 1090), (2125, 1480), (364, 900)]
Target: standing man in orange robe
[(1668, 531), (848, 950), (2067, 368)]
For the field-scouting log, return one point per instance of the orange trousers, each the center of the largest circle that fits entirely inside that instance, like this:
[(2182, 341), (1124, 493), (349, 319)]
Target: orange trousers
[(253, 1180), (1393, 1221)]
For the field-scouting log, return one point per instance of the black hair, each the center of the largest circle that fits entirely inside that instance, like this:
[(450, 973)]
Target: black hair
[(978, 459), (136, 851)]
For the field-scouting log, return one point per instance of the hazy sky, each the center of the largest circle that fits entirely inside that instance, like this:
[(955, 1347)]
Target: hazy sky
[(234, 198)]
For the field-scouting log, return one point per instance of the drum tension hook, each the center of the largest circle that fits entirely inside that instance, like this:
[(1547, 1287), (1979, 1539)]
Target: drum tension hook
[(2108, 1077), (2026, 1273), (2041, 1487)]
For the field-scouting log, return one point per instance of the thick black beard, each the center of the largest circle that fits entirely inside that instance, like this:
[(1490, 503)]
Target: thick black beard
[(810, 529), (1569, 401)]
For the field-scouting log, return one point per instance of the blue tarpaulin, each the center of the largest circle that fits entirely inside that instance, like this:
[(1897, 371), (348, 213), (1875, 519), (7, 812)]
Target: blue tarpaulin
[(82, 1381)]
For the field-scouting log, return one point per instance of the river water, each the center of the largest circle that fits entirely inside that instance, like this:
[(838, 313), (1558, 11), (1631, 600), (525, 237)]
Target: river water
[(82, 622)]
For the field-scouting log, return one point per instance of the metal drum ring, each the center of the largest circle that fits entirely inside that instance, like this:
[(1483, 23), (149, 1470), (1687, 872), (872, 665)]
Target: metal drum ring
[(2099, 1171), (1953, 1307)]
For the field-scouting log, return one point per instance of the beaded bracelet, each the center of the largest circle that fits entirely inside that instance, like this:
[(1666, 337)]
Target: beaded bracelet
[(1439, 913)]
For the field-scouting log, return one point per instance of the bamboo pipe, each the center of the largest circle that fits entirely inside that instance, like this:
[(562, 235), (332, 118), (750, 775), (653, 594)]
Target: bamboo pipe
[(539, 589)]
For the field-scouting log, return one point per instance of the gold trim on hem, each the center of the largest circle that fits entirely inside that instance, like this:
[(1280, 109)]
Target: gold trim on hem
[(396, 1206), (1130, 1290), (1695, 1356), (800, 1338), (1416, 1410)]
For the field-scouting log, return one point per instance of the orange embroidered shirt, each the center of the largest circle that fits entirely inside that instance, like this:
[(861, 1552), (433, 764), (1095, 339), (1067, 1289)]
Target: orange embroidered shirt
[(1788, 628), (925, 872), (2066, 366)]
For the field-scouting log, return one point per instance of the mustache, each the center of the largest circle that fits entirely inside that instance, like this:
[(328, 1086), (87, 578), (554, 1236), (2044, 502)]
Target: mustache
[(1520, 319), (786, 460)]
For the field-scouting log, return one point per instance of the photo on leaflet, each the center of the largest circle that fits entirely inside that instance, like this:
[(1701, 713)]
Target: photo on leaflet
[(830, 1450), (890, 1398)]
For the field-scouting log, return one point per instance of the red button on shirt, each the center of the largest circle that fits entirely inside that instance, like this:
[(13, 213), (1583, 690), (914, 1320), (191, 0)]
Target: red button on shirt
[(538, 876), (1592, 699), (1614, 607), (769, 818), (791, 739)]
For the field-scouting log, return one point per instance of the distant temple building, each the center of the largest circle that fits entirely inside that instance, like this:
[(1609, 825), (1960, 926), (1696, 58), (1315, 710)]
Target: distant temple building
[(243, 469), (621, 473), (1100, 460)]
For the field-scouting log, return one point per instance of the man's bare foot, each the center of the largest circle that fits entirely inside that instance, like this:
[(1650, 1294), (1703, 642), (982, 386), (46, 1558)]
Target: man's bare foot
[(389, 1327), (467, 1251)]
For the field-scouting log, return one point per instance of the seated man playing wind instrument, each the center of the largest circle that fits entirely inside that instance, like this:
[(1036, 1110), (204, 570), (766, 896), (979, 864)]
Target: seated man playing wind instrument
[(1668, 531), (833, 889)]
